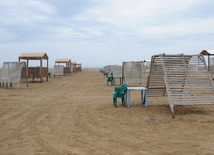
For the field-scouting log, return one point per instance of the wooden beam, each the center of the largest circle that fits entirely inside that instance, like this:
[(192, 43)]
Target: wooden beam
[(41, 69)]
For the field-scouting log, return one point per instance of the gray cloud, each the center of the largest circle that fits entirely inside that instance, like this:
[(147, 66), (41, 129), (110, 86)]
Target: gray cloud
[(102, 32)]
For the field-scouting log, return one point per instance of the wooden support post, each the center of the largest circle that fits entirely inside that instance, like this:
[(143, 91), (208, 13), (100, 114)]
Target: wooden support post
[(27, 72), (41, 69), (47, 69), (209, 63)]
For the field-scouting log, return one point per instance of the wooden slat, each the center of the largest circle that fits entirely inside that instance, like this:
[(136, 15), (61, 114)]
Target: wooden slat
[(202, 94)]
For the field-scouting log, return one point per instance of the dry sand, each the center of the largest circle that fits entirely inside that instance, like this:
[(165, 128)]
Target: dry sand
[(74, 115)]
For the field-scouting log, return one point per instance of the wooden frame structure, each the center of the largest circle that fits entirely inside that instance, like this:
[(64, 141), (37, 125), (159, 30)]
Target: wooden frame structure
[(74, 66), (78, 67), (209, 53), (35, 72), (184, 78), (67, 67)]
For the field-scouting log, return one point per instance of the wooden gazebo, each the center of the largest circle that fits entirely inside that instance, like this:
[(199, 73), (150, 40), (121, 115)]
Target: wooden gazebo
[(35, 72), (209, 53), (79, 67), (74, 66), (67, 67)]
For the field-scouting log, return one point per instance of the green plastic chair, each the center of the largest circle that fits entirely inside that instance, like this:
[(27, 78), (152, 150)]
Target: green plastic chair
[(105, 74), (110, 79), (120, 92), (49, 74)]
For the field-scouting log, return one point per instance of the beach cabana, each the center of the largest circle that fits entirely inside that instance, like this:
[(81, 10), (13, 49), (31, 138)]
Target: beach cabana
[(184, 78), (74, 66), (209, 54), (67, 65), (79, 67), (35, 72)]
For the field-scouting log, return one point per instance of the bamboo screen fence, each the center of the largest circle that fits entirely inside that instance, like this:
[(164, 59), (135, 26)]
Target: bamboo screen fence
[(58, 70), (134, 72), (11, 73)]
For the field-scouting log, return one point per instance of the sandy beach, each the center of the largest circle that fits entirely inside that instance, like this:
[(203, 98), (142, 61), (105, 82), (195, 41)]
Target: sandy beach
[(74, 115)]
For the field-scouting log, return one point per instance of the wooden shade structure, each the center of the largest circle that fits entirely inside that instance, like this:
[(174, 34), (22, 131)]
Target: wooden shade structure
[(67, 62), (74, 65), (208, 53), (79, 67), (184, 78), (35, 72)]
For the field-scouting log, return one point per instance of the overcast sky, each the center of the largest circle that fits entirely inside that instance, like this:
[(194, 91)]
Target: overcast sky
[(103, 32)]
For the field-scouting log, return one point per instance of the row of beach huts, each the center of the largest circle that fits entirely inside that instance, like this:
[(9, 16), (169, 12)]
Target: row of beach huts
[(13, 72)]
